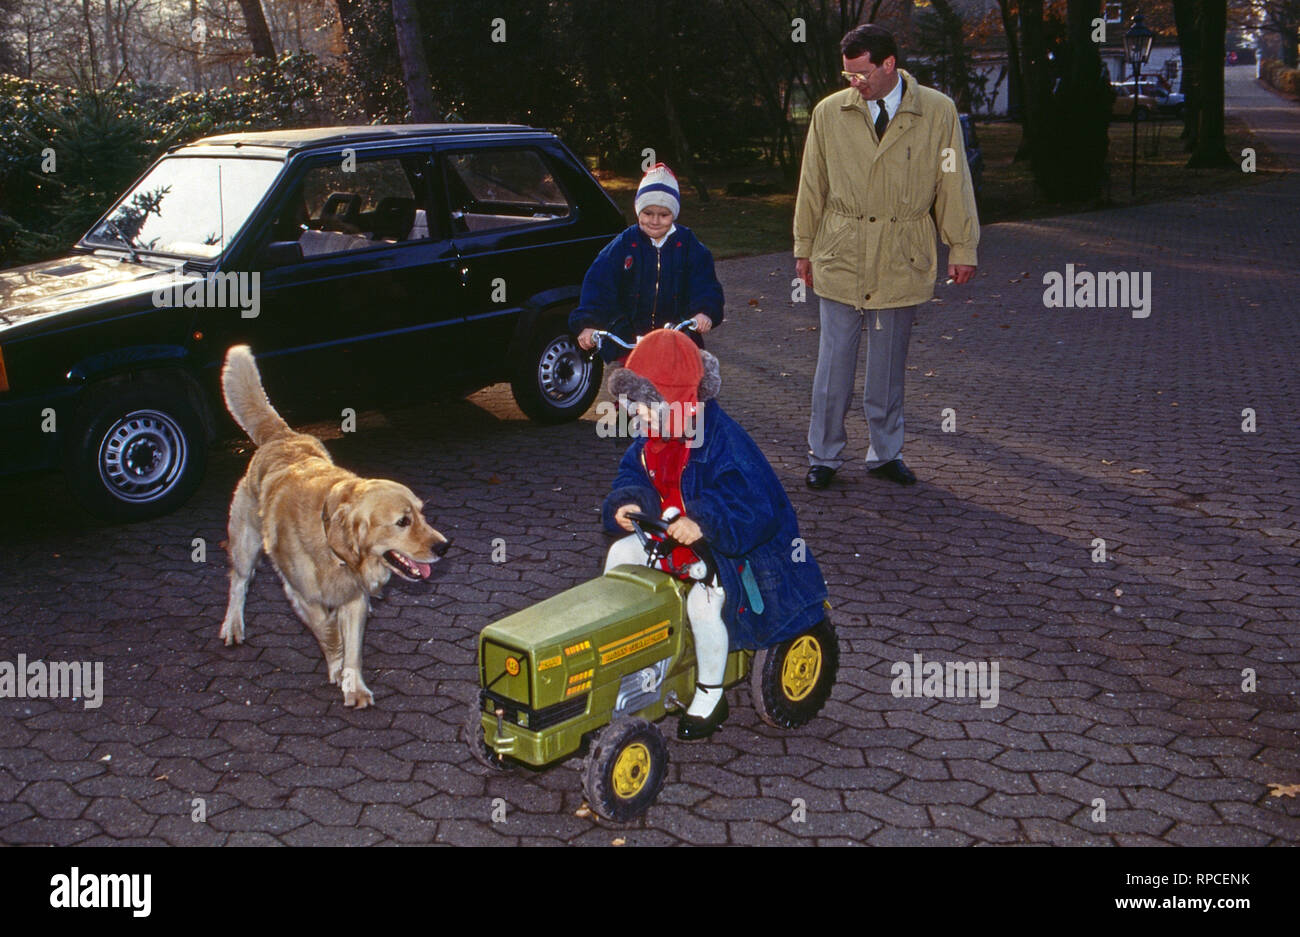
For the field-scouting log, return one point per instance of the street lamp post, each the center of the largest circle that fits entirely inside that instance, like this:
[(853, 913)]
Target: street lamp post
[(1137, 49)]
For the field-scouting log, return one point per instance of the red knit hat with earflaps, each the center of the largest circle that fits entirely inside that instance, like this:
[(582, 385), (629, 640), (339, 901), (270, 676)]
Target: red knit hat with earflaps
[(671, 362)]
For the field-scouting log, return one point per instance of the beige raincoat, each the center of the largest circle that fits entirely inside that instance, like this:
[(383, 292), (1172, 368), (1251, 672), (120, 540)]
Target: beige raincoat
[(862, 215)]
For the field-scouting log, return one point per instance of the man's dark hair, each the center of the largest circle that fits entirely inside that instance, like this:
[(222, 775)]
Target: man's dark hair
[(870, 38)]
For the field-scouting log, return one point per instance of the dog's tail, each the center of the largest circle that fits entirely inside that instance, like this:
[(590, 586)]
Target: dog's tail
[(241, 383)]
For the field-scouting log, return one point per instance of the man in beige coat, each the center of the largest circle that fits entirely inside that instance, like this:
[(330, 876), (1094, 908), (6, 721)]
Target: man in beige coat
[(880, 155)]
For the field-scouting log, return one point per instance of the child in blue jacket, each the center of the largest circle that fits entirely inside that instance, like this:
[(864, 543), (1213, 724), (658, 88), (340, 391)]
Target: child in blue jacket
[(698, 460), (654, 274)]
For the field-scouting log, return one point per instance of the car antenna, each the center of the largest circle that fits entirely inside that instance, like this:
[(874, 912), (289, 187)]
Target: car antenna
[(221, 207)]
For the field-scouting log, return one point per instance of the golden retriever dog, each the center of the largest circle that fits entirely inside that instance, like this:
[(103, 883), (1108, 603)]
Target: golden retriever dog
[(334, 538)]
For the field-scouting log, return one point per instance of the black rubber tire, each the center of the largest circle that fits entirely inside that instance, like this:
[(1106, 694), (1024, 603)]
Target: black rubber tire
[(478, 746), (598, 781), (136, 450), (773, 703), (554, 382)]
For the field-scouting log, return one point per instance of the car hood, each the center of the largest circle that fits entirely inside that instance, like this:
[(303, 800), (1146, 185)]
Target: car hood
[(76, 282)]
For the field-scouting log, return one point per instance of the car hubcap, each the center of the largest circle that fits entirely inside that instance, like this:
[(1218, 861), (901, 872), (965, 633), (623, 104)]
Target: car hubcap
[(803, 665), (142, 456), (631, 770), (563, 372)]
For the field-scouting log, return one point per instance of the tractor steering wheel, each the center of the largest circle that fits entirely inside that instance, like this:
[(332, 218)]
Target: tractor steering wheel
[(659, 545)]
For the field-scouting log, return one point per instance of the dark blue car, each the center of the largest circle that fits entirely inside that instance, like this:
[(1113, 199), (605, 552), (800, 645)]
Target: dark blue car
[(362, 264)]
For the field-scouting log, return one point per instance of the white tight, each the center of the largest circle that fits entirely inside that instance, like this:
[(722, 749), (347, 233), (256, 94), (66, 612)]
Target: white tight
[(704, 612)]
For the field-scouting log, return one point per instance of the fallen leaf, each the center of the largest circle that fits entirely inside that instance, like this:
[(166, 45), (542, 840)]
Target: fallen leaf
[(1107, 461), (619, 841), (1118, 593), (929, 374), (1139, 471), (494, 480), (584, 811), (753, 302), (1283, 790), (161, 777)]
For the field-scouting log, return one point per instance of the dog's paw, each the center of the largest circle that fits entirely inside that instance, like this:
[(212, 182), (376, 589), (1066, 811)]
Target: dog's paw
[(336, 672), (232, 632), (355, 691)]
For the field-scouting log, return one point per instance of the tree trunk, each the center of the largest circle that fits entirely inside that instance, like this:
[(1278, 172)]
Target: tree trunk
[(1211, 145), (681, 146), (958, 73), (1189, 47), (415, 69), (1015, 82), (259, 34), (1290, 42), (357, 38), (1034, 48), (108, 39), (90, 43)]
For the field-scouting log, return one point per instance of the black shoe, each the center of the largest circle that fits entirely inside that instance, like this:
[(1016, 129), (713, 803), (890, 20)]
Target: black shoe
[(895, 471), (697, 728), (819, 476)]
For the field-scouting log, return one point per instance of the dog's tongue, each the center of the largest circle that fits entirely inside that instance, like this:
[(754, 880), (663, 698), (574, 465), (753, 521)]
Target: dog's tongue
[(426, 569)]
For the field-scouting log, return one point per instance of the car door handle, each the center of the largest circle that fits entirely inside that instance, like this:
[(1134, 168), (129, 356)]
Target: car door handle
[(464, 276)]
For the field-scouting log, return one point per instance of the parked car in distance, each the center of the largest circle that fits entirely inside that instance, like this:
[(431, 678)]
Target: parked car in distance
[(361, 264), (1149, 102), (1167, 102)]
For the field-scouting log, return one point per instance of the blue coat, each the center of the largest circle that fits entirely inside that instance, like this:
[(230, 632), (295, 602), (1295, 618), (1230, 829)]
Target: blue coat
[(730, 490), (619, 295)]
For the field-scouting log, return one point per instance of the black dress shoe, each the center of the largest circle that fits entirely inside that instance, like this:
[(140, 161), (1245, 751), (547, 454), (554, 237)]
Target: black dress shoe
[(895, 471), (819, 476), (696, 728)]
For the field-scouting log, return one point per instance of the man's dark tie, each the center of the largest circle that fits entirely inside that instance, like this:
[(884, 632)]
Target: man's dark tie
[(882, 119)]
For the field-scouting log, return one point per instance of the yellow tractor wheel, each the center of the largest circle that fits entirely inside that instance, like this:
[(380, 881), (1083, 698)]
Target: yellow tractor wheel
[(791, 682), (625, 769)]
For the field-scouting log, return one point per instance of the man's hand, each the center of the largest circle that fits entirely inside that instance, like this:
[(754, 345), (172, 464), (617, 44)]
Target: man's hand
[(587, 341), (803, 270), (685, 531), (621, 518), (702, 323), (960, 273)]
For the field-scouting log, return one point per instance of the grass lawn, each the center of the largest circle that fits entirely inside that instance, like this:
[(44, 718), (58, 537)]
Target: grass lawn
[(735, 226)]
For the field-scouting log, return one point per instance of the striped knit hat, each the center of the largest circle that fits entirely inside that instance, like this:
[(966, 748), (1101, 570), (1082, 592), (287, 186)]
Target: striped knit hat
[(659, 187)]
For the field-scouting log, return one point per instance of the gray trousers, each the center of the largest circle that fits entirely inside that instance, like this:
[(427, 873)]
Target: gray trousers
[(837, 365)]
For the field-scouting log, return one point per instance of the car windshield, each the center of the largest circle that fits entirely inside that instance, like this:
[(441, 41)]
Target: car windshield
[(187, 205)]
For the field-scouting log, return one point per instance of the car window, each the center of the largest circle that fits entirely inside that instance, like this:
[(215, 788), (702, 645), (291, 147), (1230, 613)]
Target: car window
[(501, 188), (188, 205), (342, 207)]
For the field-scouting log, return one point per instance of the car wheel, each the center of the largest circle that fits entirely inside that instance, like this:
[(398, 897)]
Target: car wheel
[(481, 751), (137, 450), (625, 769), (791, 682), (555, 381)]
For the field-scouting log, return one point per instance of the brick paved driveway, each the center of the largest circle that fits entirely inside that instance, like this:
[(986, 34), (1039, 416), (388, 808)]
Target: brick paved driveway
[(1120, 680)]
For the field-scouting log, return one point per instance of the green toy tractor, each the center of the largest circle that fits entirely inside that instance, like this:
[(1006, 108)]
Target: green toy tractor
[(602, 662)]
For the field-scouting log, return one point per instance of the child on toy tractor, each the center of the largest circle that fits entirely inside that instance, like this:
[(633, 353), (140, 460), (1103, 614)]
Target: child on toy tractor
[(697, 459)]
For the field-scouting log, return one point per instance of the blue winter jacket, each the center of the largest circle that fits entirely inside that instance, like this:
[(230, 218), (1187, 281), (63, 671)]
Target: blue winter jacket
[(633, 287), (730, 490)]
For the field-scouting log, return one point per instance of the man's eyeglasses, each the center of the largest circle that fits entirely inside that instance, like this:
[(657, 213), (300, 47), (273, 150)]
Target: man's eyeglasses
[(858, 76)]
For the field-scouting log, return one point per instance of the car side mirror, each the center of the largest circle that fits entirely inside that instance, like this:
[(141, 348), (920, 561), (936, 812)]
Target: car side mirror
[(279, 254)]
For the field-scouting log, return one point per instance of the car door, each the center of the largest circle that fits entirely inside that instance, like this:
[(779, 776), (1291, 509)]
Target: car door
[(357, 283), (511, 220)]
